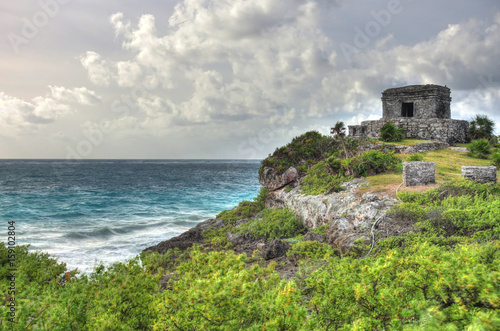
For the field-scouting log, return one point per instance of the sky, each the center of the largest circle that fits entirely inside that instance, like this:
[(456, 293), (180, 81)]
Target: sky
[(219, 79)]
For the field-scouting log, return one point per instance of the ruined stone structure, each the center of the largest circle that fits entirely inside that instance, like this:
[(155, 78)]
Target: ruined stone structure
[(422, 110), (417, 173), (480, 174)]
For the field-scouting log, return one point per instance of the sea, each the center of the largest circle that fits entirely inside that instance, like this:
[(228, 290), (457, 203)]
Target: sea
[(88, 212)]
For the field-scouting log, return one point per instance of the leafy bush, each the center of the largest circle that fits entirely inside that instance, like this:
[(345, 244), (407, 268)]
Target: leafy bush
[(415, 157), (395, 291), (452, 188), (275, 223), (481, 127), (312, 146), (319, 180), (370, 163), (479, 149), (495, 158), (245, 209), (310, 250), (216, 291), (391, 133), (407, 213)]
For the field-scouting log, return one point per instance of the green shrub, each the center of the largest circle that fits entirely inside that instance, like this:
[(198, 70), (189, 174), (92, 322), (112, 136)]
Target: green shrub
[(391, 133), (371, 163), (311, 147), (479, 149), (275, 223), (415, 157), (394, 291), (495, 158), (218, 291), (320, 180), (407, 213), (310, 250), (245, 209), (320, 229)]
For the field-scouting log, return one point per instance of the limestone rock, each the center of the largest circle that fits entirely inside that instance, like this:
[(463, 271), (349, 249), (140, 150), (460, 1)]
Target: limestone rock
[(274, 249), (312, 236), (236, 238), (272, 181)]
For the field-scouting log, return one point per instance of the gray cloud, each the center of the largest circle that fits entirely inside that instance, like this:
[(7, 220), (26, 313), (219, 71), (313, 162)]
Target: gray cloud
[(236, 78)]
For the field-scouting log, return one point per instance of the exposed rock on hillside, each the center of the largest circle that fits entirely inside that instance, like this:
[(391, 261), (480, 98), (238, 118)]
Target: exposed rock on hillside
[(348, 215), (271, 180)]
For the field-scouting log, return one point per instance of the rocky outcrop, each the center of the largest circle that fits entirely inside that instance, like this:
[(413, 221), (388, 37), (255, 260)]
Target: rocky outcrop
[(274, 249), (349, 216), (188, 238), (312, 236), (271, 180)]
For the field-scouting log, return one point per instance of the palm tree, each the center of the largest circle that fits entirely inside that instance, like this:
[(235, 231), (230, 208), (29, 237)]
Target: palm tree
[(481, 127), (339, 131)]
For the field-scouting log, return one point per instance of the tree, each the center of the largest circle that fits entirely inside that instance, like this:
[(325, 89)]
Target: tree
[(339, 131), (481, 127)]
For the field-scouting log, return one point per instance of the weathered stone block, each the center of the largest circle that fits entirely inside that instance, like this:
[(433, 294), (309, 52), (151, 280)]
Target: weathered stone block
[(480, 174), (416, 173)]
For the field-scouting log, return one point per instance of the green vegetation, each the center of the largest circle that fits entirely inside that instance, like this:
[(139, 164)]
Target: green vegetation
[(311, 250), (326, 176), (245, 209), (304, 150), (415, 157), (479, 149), (391, 133), (320, 180), (275, 223), (442, 276), (371, 163), (407, 142), (481, 127), (495, 158)]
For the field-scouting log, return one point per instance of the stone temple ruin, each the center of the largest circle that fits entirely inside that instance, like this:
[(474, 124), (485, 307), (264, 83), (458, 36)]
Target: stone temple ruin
[(422, 110)]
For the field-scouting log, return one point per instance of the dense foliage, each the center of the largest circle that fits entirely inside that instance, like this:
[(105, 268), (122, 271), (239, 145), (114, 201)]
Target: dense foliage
[(245, 209), (328, 175), (391, 133), (481, 127), (321, 180), (480, 149), (303, 151), (495, 158)]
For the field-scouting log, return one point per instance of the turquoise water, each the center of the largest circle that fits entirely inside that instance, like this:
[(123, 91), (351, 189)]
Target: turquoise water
[(92, 211)]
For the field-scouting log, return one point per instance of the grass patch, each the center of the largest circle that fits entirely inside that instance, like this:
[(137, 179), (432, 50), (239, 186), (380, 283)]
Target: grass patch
[(407, 142), (448, 166), (449, 163)]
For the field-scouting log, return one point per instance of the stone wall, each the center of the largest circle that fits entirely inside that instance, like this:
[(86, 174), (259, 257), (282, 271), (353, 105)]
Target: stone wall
[(427, 101), (445, 130), (480, 174), (416, 173)]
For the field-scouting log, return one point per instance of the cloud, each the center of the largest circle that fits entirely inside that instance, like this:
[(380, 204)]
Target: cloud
[(224, 61), (17, 114)]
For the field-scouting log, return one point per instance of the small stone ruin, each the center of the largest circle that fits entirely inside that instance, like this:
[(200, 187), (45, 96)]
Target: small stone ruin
[(480, 174), (418, 173), (422, 110)]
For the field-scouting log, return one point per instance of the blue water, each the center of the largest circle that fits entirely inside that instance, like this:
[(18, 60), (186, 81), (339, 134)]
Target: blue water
[(93, 211)]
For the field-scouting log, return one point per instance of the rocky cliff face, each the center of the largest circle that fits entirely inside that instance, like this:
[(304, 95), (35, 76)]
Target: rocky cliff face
[(349, 215), (271, 180)]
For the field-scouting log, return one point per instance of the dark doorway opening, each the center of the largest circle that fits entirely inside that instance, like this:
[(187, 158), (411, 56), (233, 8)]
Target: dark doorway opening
[(407, 109)]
